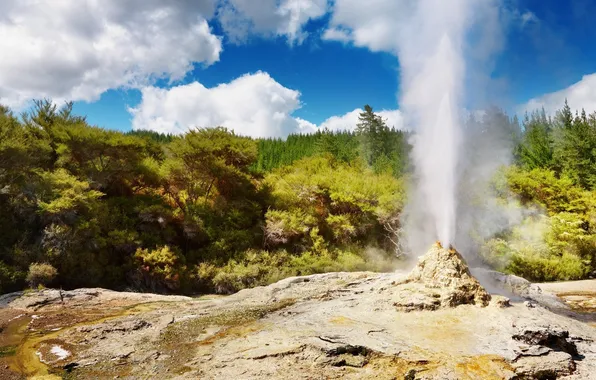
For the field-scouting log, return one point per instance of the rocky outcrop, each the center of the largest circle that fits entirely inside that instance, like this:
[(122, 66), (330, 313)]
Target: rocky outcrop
[(436, 322), (552, 365), (440, 279), (545, 352), (553, 338)]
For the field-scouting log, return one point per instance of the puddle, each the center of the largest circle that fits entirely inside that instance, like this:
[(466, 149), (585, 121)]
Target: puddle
[(583, 304)]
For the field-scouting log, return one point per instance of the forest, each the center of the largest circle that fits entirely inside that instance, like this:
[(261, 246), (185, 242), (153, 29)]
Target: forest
[(211, 211)]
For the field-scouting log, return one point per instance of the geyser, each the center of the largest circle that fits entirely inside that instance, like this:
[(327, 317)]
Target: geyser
[(430, 103), (433, 72)]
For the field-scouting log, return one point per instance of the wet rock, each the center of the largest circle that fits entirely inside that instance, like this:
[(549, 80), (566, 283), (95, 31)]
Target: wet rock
[(411, 375), (440, 279), (345, 355), (70, 366)]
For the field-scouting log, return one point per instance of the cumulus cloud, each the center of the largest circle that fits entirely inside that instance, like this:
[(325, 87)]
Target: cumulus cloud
[(76, 50), (579, 95), (337, 34), (241, 18), (348, 121), (253, 105), (375, 24)]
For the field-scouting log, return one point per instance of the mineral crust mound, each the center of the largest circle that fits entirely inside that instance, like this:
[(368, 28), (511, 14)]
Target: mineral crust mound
[(440, 279)]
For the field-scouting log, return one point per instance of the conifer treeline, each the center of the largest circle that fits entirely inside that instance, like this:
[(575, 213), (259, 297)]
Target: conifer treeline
[(380, 147)]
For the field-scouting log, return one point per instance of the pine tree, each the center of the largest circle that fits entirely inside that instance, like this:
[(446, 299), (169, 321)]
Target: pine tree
[(373, 133), (536, 148)]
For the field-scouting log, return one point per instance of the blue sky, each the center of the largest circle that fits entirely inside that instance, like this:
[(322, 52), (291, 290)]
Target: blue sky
[(552, 52), (332, 79), (302, 63)]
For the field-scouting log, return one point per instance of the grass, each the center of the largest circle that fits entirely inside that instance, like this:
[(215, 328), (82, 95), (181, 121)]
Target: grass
[(8, 351)]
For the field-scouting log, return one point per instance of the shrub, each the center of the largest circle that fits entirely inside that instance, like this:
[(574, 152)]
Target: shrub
[(544, 249), (283, 226), (41, 274), (258, 268), (159, 269), (543, 187), (10, 278), (349, 204), (537, 268), (341, 226)]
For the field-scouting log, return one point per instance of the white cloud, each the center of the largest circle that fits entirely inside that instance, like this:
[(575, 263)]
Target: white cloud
[(579, 95), (375, 24), (337, 34), (268, 18), (253, 105), (305, 126), (517, 18), (76, 50), (528, 17), (348, 121)]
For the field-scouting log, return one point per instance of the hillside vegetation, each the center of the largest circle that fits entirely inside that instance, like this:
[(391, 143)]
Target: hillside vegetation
[(213, 211)]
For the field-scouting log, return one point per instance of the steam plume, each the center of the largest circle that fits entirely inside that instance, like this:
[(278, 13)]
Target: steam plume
[(432, 49)]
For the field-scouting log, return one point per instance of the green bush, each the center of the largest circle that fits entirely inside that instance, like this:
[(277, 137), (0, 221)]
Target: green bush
[(544, 249), (159, 269), (536, 268), (348, 203), (10, 278), (283, 226), (542, 186), (260, 267), (41, 274)]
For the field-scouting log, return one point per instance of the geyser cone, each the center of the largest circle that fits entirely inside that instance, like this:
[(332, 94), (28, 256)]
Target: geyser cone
[(441, 279)]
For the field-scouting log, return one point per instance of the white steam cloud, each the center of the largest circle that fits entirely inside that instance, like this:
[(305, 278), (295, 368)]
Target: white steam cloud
[(432, 48)]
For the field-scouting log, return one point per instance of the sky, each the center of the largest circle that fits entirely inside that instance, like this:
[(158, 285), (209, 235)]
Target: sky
[(273, 67)]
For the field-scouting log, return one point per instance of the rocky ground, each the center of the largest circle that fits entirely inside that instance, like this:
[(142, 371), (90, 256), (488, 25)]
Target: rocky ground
[(579, 295), (436, 322)]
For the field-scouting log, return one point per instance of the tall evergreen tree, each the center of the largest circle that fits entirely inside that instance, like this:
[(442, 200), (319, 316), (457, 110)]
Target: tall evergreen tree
[(373, 134), (575, 147), (536, 147)]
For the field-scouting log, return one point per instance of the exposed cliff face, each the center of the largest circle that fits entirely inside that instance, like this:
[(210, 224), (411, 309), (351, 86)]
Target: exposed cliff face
[(436, 322)]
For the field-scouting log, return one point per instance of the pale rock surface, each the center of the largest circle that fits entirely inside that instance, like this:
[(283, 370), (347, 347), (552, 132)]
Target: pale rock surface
[(433, 323)]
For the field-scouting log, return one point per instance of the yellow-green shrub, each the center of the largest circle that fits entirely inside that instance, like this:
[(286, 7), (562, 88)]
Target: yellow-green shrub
[(553, 268), (41, 274), (544, 249), (159, 268)]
